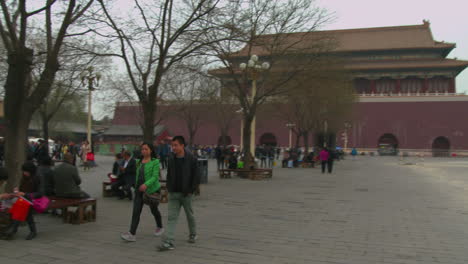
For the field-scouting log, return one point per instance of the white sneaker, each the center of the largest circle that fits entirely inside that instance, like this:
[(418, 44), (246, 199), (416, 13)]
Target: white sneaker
[(128, 237), (159, 231)]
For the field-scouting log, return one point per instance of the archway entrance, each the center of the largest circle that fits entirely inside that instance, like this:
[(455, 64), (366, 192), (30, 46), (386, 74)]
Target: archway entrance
[(387, 145), (226, 140), (441, 147), (268, 139)]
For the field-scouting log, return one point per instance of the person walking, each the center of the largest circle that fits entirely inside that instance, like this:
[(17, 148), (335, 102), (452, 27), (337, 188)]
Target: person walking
[(219, 154), (147, 190), (324, 155), (85, 148), (182, 181), (163, 151), (354, 153), (332, 155)]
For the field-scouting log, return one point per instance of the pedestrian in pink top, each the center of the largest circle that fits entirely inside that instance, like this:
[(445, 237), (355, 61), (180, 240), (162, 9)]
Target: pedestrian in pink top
[(324, 156)]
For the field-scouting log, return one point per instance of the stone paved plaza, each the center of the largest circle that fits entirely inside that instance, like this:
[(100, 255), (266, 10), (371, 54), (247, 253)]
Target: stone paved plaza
[(371, 210)]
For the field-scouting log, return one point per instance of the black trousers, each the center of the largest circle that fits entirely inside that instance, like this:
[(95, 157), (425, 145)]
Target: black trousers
[(163, 162), (220, 163), (330, 166), (138, 207), (270, 162), (324, 165), (29, 219), (126, 190)]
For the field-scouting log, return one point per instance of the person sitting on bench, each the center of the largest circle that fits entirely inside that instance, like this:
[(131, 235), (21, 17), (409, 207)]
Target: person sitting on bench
[(67, 180), (126, 177), (30, 188)]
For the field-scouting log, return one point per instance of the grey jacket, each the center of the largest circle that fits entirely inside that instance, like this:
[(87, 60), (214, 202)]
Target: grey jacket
[(67, 181)]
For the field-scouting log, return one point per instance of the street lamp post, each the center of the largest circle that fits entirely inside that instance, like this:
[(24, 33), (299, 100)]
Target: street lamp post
[(290, 126), (253, 67), (326, 133), (347, 126), (90, 79), (241, 130)]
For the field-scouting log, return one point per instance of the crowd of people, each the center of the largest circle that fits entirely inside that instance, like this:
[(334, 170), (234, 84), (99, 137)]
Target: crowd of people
[(41, 178), (136, 176)]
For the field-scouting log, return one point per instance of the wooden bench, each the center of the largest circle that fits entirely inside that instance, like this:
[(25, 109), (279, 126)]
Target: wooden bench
[(257, 174), (106, 189), (164, 192), (226, 173), (85, 209), (307, 165), (107, 192)]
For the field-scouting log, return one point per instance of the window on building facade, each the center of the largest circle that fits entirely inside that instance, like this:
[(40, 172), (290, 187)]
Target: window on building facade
[(411, 85), (385, 86), (438, 85)]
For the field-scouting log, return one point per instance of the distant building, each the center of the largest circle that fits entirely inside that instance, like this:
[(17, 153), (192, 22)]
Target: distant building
[(406, 87)]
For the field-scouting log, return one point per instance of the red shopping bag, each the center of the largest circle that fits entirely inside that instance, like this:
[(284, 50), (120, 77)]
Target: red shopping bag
[(20, 209)]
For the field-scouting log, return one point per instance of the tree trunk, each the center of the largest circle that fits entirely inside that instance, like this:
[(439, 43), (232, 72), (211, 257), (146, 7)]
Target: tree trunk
[(192, 133), (15, 149), (45, 130), (306, 143), (149, 110), (298, 139), (17, 122), (223, 138), (249, 159)]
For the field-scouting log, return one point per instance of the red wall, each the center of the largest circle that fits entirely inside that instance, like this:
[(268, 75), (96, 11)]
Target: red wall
[(415, 125)]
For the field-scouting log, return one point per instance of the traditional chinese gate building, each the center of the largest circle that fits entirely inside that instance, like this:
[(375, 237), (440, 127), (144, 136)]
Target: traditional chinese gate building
[(406, 87)]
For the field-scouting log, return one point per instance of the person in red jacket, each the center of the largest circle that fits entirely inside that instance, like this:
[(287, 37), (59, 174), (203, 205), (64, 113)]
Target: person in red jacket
[(324, 156), (89, 160)]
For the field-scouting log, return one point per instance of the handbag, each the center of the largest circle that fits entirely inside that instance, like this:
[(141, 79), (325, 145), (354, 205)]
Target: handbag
[(41, 204), (152, 199)]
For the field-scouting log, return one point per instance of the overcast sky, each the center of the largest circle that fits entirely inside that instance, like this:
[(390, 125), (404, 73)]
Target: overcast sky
[(448, 18)]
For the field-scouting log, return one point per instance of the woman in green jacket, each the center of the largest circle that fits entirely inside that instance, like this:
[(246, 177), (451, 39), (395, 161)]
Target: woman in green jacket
[(147, 183)]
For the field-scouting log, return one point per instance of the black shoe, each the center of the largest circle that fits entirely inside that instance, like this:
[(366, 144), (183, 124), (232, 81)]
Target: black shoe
[(31, 236), (9, 235)]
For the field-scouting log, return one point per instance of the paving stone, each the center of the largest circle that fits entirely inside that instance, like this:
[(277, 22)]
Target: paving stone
[(372, 210)]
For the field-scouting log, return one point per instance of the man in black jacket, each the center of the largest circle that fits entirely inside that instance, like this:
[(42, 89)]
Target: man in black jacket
[(183, 179), (126, 177)]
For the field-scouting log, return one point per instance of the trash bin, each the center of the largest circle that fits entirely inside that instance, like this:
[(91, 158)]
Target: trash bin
[(203, 170)]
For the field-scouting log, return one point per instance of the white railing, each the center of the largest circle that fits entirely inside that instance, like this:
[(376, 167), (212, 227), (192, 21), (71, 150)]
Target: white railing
[(409, 94)]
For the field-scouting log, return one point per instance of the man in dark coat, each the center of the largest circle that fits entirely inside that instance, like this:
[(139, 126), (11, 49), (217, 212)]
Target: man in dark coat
[(42, 151), (67, 180), (126, 177), (183, 179)]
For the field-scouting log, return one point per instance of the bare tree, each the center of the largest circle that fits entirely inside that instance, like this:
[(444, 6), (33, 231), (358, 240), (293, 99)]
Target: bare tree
[(67, 85), (20, 92), (225, 110), (267, 28), (322, 94), (151, 40), (189, 92)]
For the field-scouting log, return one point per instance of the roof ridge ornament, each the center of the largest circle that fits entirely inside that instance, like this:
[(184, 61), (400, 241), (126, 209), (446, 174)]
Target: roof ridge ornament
[(426, 22)]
